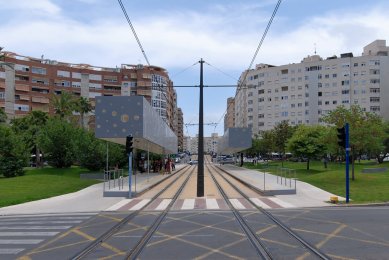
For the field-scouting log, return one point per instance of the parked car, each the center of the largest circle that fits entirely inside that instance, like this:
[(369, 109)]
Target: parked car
[(192, 162)]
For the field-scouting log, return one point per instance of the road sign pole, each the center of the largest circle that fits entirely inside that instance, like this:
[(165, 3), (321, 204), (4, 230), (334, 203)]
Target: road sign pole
[(347, 163), (129, 174)]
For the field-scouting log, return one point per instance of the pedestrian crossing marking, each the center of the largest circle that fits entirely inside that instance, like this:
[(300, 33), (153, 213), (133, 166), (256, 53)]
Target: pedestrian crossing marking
[(188, 204), (201, 203)]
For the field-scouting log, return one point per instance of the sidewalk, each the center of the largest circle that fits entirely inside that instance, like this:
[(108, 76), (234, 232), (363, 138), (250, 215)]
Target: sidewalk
[(90, 199), (306, 194)]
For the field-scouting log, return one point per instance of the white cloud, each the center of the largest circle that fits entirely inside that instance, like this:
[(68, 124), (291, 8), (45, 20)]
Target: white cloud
[(35, 6)]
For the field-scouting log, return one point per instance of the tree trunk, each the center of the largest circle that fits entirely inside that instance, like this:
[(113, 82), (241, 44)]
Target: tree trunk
[(37, 156), (308, 165)]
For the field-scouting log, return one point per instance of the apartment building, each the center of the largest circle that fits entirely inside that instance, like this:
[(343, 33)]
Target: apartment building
[(27, 84), (210, 143), (229, 118), (302, 93)]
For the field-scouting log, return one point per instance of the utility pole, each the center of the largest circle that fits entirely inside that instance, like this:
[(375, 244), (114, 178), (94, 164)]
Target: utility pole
[(200, 168)]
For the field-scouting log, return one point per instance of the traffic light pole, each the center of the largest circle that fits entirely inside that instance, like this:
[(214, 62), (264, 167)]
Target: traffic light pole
[(347, 163), (130, 175)]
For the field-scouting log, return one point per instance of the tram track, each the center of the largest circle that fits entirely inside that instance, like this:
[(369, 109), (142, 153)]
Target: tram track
[(251, 234), (116, 228)]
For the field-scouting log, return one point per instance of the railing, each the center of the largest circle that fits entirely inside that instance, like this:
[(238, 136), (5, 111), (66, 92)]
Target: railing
[(113, 178), (286, 176)]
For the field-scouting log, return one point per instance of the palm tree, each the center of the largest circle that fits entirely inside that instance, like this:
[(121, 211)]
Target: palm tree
[(63, 104), (83, 106)]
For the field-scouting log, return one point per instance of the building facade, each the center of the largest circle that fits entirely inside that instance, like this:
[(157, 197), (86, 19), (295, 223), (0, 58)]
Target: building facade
[(303, 92), (229, 118), (210, 144), (28, 84)]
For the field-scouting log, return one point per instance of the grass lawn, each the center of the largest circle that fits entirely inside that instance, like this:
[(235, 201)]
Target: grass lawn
[(41, 183), (367, 187)]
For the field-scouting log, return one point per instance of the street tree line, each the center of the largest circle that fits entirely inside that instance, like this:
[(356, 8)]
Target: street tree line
[(63, 139), (369, 135)]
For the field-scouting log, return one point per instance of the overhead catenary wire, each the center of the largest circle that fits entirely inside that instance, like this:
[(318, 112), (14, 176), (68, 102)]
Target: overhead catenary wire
[(141, 48), (216, 68), (133, 31), (241, 83)]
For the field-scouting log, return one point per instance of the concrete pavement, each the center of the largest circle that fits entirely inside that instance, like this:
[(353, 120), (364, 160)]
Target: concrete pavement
[(91, 199)]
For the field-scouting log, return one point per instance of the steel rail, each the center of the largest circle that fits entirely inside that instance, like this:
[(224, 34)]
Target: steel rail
[(138, 248), (109, 233), (306, 244), (257, 243)]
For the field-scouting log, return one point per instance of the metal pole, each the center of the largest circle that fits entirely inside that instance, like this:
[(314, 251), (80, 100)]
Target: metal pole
[(148, 162), (347, 163), (200, 168), (129, 174), (106, 166)]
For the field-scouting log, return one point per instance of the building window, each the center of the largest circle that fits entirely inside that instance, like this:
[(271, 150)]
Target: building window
[(375, 108), (38, 70), (374, 99), (345, 91)]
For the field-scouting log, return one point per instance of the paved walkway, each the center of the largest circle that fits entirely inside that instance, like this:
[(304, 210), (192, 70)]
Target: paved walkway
[(91, 199), (306, 194)]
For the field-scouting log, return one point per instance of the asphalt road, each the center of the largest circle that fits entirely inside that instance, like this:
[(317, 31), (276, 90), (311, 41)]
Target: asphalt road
[(339, 232)]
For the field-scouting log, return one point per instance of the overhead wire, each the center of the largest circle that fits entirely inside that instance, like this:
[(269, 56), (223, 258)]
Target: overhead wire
[(142, 50), (241, 83)]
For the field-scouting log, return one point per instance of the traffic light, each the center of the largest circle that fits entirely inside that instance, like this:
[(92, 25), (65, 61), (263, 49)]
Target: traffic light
[(129, 144), (342, 137)]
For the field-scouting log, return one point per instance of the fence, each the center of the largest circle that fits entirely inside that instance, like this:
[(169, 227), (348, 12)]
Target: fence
[(113, 179), (286, 177)]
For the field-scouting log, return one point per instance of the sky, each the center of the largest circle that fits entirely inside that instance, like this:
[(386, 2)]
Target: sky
[(176, 34)]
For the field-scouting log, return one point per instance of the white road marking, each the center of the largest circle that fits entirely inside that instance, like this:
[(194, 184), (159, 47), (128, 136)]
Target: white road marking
[(236, 203), (140, 204), (163, 205), (118, 205), (20, 241), (10, 251), (282, 203), (18, 234), (212, 204), (40, 222), (188, 204), (35, 227), (260, 203)]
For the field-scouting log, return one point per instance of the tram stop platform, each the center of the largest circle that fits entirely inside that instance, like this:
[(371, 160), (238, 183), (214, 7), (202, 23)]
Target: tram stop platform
[(265, 183), (141, 182)]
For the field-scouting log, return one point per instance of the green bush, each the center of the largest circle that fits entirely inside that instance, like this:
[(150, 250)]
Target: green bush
[(13, 155)]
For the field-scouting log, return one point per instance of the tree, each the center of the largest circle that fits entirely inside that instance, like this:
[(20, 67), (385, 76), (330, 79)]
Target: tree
[(83, 106), (366, 130), (90, 151), (63, 104), (3, 116), (265, 143), (307, 141), (282, 132), (28, 128), (13, 153), (57, 141)]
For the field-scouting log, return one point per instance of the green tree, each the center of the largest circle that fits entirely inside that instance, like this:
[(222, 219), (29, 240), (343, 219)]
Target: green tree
[(90, 151), (307, 141), (83, 106), (63, 104), (58, 140), (28, 128), (366, 130), (13, 153), (282, 132), (265, 143), (3, 116)]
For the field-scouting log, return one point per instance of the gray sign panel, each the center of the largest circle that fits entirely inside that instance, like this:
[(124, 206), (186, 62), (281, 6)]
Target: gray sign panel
[(117, 117), (235, 140)]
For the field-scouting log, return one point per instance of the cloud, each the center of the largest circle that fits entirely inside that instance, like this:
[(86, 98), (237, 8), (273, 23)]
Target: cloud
[(41, 7)]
